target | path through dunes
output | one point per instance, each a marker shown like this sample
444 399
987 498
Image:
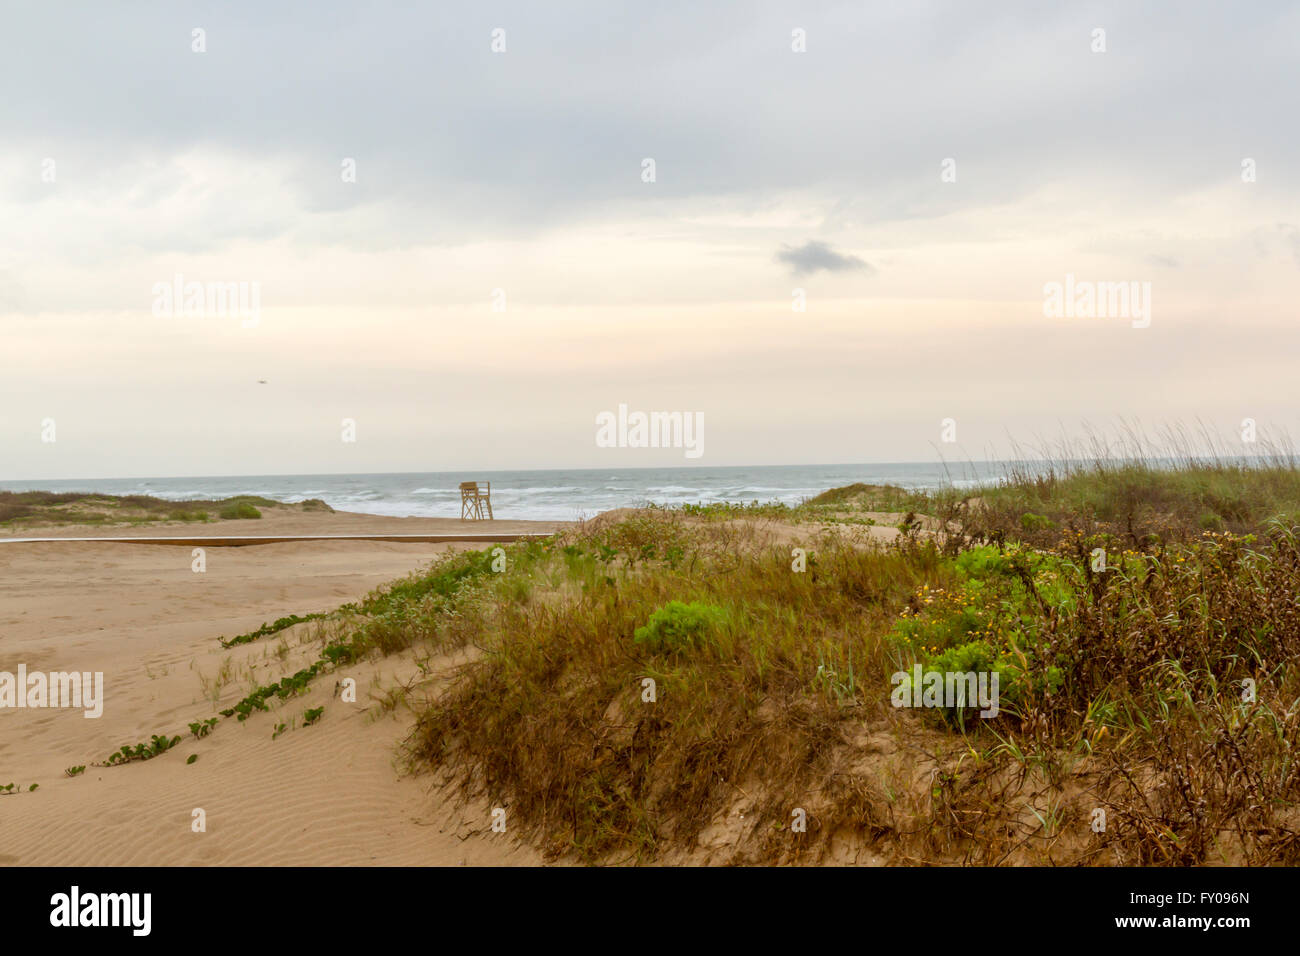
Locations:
328 793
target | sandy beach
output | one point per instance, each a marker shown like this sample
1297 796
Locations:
330 793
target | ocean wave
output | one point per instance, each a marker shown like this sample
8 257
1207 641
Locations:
542 490
754 490
523 494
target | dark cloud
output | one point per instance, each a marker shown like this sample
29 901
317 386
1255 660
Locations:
814 256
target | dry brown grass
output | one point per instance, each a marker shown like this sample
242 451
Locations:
785 705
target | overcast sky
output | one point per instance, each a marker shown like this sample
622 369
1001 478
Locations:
500 271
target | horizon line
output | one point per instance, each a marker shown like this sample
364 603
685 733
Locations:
693 467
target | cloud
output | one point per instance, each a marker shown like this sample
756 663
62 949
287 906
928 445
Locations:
552 133
1291 236
814 255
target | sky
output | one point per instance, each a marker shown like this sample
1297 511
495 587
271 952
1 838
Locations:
465 230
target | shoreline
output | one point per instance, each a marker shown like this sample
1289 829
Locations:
285 521
240 541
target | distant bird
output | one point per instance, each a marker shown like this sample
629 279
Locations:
261 381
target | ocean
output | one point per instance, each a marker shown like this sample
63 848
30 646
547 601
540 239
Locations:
561 495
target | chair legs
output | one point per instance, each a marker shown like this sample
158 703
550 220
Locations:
472 502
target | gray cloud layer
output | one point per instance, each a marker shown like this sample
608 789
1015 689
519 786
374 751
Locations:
467 144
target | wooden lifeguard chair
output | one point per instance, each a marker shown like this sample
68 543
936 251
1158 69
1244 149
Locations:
473 496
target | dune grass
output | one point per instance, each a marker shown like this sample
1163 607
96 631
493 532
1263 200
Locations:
752 666
1136 489
19 508
1157 693
1140 497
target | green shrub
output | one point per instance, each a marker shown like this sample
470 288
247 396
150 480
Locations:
678 626
992 619
1032 522
239 509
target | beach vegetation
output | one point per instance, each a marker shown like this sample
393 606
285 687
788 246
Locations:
35 508
158 745
239 510
201 728
1158 682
